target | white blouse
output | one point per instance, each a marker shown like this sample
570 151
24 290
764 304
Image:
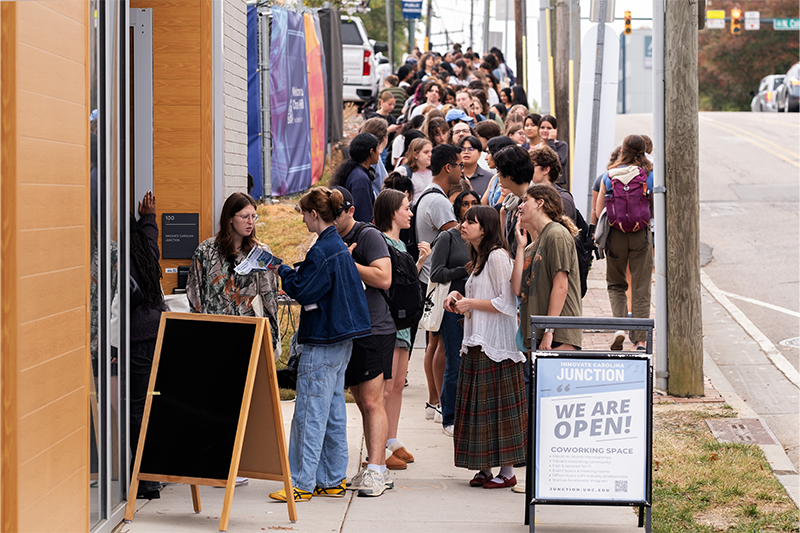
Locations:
495 333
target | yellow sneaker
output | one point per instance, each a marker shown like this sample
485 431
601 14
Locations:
337 491
299 495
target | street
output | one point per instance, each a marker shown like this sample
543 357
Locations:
749 191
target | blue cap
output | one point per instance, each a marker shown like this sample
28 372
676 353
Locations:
93 115
458 114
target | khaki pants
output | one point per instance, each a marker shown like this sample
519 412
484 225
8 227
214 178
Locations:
634 249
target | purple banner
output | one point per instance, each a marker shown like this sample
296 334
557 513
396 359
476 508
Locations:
291 133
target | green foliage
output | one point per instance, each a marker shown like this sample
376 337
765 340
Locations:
729 66
375 24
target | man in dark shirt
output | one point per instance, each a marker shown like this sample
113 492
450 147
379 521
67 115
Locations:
547 168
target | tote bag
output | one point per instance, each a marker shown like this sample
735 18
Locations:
434 305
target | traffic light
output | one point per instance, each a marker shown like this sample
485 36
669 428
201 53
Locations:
628 23
736 21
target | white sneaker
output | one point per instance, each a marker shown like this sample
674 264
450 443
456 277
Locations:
373 484
430 411
448 430
619 338
437 416
358 480
240 481
387 480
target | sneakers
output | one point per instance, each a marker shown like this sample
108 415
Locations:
388 482
448 430
299 495
437 417
430 411
373 483
337 491
619 338
357 481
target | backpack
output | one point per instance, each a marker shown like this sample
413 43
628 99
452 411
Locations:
409 236
584 245
404 296
628 208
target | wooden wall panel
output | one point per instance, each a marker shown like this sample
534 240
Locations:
44 257
182 120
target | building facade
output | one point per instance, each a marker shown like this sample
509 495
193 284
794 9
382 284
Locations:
100 101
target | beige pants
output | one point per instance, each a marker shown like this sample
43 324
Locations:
634 249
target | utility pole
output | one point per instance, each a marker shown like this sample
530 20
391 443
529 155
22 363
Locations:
521 48
411 36
428 26
562 78
681 157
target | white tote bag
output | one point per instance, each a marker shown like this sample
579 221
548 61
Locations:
433 311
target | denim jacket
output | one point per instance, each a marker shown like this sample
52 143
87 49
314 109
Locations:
328 277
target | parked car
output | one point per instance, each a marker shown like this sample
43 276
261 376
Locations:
764 99
361 75
787 96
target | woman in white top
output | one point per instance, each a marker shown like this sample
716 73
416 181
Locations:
417 165
490 417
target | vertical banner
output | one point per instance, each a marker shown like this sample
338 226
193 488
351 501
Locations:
279 99
318 29
254 166
316 98
592 429
291 153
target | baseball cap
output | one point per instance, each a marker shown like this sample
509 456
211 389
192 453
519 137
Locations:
348 198
458 114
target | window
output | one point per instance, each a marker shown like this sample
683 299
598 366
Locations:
350 33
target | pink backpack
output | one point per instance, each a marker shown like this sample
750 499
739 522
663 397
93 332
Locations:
628 208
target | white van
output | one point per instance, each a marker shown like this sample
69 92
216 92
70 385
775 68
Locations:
360 70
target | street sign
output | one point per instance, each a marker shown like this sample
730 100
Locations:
715 14
786 24
412 9
752 20
715 24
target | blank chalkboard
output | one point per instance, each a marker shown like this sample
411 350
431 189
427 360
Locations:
212 410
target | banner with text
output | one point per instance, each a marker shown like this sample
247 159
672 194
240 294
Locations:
591 432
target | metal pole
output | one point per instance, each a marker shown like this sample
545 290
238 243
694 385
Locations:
659 195
266 117
390 30
598 84
486 27
544 55
624 65
410 35
505 32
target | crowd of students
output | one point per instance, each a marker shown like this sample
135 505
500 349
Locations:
469 182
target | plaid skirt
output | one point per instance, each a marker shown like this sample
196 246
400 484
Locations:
491 421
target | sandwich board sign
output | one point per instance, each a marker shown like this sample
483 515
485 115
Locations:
213 409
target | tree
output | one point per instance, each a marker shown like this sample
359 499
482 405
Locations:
729 66
375 24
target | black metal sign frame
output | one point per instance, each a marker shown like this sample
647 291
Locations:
645 504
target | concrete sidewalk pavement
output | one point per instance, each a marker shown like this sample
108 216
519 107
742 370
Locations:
430 496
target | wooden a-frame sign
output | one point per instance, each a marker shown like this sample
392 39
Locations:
212 410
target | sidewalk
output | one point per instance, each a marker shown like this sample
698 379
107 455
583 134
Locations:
430 496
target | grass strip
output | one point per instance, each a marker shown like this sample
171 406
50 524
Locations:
702 485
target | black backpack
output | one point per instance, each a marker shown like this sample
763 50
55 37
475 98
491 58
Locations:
584 245
409 236
404 296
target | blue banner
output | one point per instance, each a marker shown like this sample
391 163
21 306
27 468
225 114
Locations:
254 163
291 134
412 9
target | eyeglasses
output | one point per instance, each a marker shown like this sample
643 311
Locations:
254 218
469 149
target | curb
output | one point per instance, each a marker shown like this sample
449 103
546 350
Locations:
782 467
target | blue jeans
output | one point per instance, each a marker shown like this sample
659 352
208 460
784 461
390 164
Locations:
318 438
452 335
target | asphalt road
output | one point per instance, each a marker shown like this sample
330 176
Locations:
750 250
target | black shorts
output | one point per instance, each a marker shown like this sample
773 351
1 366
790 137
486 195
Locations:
372 357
